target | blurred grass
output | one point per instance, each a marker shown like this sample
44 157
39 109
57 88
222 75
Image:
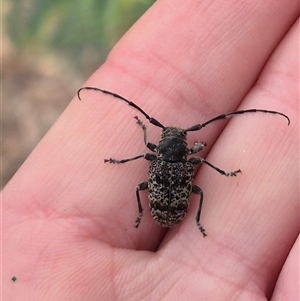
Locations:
74 29
48 49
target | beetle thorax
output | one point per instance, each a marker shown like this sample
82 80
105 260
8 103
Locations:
172 146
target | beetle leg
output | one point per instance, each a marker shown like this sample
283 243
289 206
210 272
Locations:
198 160
197 190
198 146
148 157
141 186
150 145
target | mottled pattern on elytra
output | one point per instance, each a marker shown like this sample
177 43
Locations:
170 186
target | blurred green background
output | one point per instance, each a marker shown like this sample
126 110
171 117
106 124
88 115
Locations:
49 48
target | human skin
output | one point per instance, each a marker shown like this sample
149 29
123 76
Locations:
68 218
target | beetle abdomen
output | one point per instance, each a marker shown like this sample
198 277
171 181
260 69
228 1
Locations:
170 186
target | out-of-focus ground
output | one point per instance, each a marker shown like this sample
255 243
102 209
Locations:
35 90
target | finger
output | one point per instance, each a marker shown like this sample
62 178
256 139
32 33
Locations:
287 286
163 101
252 220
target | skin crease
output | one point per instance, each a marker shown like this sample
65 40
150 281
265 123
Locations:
68 218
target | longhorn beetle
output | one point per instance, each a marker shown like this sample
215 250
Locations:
170 171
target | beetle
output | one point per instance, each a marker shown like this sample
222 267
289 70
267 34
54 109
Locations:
171 172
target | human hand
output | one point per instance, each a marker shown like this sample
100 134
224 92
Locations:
68 218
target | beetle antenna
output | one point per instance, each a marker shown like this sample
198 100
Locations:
198 127
132 104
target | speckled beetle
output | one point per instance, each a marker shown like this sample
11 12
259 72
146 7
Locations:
170 171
